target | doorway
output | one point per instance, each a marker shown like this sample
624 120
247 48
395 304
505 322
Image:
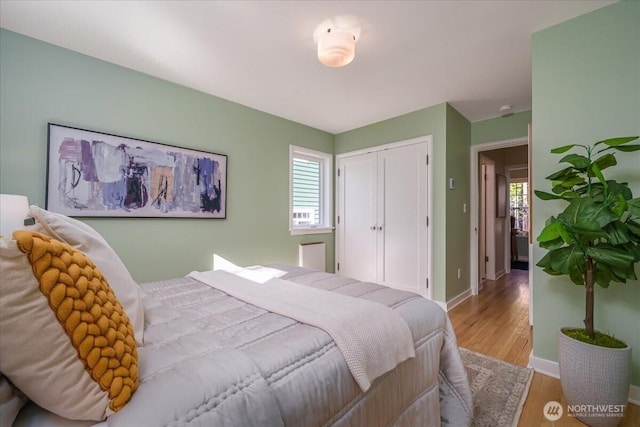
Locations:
491 233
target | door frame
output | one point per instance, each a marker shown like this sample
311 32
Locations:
507 238
487 218
474 279
426 270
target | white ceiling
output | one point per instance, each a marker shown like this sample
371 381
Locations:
476 55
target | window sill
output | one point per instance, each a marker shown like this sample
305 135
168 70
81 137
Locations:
314 230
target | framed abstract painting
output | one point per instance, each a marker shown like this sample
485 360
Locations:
94 174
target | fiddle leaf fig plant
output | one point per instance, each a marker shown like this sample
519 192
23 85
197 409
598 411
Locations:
596 238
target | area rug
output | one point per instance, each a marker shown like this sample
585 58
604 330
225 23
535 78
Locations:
499 389
519 265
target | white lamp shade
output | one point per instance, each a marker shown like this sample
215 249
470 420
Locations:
13 211
336 47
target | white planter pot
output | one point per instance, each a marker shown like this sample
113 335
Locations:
595 380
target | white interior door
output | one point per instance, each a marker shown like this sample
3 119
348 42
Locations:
357 217
402 218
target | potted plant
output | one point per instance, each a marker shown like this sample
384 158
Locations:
594 240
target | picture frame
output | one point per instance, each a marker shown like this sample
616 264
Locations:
96 174
501 196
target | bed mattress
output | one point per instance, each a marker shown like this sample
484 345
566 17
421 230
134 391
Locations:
210 359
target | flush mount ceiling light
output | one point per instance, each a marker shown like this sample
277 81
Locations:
336 39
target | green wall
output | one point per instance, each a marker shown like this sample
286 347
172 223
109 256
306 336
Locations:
449 242
458 221
586 87
500 128
41 83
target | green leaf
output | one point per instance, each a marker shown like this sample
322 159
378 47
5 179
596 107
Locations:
611 256
606 161
617 233
596 191
561 174
545 264
624 274
630 273
619 276
576 276
634 206
633 249
594 170
565 194
545 261
616 188
619 206
563 149
548 196
634 228
552 244
614 142
586 236
568 182
603 275
586 214
578 161
565 259
579 191
627 148
550 231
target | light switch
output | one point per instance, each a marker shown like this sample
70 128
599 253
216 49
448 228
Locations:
452 184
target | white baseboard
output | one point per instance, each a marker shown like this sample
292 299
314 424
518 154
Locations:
634 395
544 366
552 369
458 299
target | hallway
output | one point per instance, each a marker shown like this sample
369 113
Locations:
496 323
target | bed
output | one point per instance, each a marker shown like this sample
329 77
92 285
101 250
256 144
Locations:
211 359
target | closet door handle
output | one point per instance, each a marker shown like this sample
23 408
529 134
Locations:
379 228
372 228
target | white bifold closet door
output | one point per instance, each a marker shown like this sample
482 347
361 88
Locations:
382 209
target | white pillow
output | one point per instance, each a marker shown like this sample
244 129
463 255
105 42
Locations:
91 243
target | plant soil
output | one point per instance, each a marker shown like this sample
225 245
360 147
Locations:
600 339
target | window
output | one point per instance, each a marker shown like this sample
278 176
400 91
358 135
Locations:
311 186
519 203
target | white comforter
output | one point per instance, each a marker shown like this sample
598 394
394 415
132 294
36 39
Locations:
373 338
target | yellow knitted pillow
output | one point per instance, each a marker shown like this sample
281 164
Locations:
96 326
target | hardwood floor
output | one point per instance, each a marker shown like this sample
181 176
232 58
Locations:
496 323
